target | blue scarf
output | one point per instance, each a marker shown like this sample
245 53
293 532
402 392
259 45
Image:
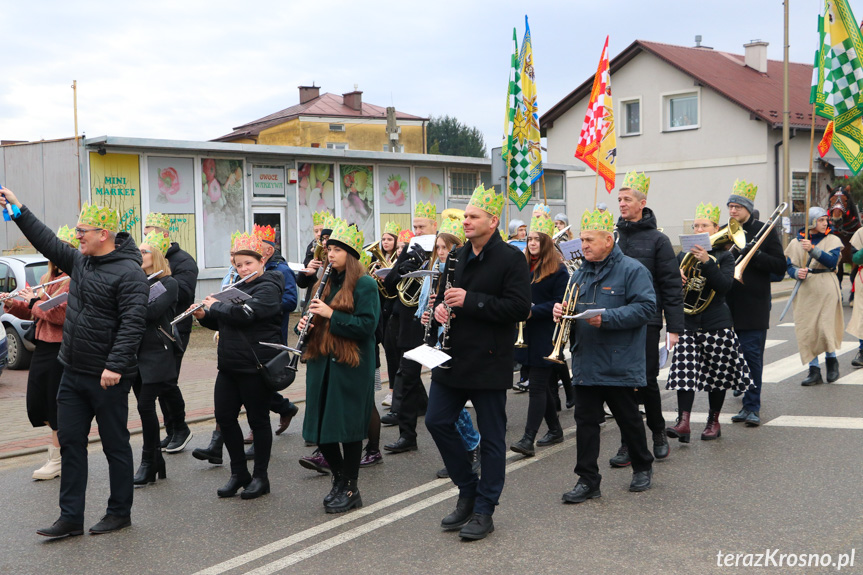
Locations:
425 292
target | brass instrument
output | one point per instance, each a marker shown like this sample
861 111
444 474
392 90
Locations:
519 342
35 288
319 252
561 330
379 261
759 238
409 288
694 298
192 310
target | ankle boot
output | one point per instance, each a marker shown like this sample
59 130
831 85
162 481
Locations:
259 486
681 429
347 498
525 444
660 445
712 429
51 469
553 436
213 452
338 484
832 369
149 468
814 377
237 481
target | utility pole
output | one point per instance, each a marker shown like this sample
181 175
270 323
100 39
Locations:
77 147
392 129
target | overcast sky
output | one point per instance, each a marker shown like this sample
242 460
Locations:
193 70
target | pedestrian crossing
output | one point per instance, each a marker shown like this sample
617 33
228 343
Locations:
786 367
810 421
663 373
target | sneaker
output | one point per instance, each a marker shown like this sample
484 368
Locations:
521 386
315 462
388 400
179 441
622 457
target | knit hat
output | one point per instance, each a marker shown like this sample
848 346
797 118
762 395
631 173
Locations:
743 194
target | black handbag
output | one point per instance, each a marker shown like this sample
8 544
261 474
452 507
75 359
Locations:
279 372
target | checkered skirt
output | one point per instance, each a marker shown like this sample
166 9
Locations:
708 361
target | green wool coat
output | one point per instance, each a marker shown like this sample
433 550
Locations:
339 411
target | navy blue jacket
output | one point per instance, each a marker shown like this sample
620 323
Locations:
289 295
827 259
539 328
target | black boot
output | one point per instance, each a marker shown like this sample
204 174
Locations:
553 436
152 464
347 498
660 445
814 377
259 486
460 517
832 369
213 452
234 484
338 484
525 444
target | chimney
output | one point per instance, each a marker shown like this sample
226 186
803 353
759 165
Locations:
354 100
756 55
309 93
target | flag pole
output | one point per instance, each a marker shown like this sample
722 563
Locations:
596 179
809 177
544 198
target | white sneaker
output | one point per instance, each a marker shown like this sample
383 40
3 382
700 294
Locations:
51 469
388 400
469 404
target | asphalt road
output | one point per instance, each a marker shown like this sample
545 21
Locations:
792 485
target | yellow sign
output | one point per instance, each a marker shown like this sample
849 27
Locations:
115 182
183 232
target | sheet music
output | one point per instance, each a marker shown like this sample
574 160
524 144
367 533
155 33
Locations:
382 272
426 242
571 249
231 295
427 356
156 290
586 314
53 302
689 241
422 274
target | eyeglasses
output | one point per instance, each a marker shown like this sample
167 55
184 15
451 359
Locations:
82 231
146 252
700 227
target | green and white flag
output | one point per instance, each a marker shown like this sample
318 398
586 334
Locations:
837 78
513 99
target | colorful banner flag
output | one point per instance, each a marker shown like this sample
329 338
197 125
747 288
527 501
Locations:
513 99
525 165
597 144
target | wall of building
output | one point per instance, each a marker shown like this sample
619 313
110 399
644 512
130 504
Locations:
359 135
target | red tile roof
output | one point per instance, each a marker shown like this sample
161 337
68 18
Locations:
725 73
326 105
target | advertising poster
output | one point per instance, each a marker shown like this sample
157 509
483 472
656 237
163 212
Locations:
316 192
171 185
268 181
358 198
394 196
430 187
115 181
224 208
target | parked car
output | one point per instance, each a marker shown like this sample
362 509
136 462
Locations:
15 273
3 351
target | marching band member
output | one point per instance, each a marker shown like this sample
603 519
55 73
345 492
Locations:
43 380
405 237
640 239
749 301
549 278
490 294
389 247
707 356
818 321
308 277
340 366
608 353
238 383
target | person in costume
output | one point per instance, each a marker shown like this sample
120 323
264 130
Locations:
323 223
855 324
818 322
490 294
549 278
242 326
43 379
340 366
561 220
707 356
608 353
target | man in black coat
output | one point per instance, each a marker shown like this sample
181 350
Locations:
640 239
184 270
105 322
491 294
750 301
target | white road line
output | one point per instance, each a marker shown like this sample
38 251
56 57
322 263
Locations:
790 366
853 378
817 421
363 513
786 324
695 417
663 373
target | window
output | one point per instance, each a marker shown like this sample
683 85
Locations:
337 127
337 145
631 118
553 187
462 183
681 111
798 192
33 273
399 148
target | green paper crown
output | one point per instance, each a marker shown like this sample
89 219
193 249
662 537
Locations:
100 217
330 221
453 225
157 241
541 223
427 210
68 235
487 200
234 236
597 221
745 190
318 218
156 220
365 259
348 235
707 212
635 181
392 228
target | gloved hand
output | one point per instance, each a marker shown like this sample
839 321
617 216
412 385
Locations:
414 260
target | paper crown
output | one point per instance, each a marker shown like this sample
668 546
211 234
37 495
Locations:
68 235
487 200
234 236
635 181
348 235
405 236
157 241
542 223
744 190
330 221
707 212
597 221
318 218
247 242
100 217
392 228
156 220
365 259
266 233
453 224
427 210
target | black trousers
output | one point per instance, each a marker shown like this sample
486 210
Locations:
231 393
391 351
445 406
80 399
171 401
348 464
649 396
541 401
588 413
412 397
147 394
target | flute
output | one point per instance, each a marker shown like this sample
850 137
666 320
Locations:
35 289
192 310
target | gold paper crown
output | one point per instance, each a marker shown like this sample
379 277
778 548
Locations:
365 259
330 221
487 200
157 241
247 242
635 181
427 210
392 228
745 190
156 220
68 235
348 235
707 212
405 236
266 233
597 221
100 217
453 224
542 223
318 218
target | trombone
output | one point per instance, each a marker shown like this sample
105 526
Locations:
381 261
15 293
743 261
192 310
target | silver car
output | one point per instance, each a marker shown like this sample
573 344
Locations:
17 272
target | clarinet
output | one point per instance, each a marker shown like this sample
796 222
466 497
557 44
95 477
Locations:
301 340
449 277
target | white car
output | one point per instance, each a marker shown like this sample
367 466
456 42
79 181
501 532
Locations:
17 272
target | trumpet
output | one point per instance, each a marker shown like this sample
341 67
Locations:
15 293
743 261
192 310
694 299
319 251
519 342
381 261
561 330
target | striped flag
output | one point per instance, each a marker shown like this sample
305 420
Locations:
597 144
525 158
513 99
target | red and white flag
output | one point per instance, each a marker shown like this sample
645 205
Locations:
597 144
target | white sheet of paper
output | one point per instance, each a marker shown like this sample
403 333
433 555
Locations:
586 314
427 356
689 241
382 272
156 290
232 295
571 249
665 352
295 267
53 302
426 242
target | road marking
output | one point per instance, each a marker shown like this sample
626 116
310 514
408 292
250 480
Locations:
791 324
853 378
362 513
696 417
817 421
789 366
663 373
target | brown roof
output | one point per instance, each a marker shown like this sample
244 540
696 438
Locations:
327 104
725 73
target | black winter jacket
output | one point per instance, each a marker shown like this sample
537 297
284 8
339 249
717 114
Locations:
304 281
719 276
244 325
642 241
156 362
184 270
411 331
539 328
106 313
